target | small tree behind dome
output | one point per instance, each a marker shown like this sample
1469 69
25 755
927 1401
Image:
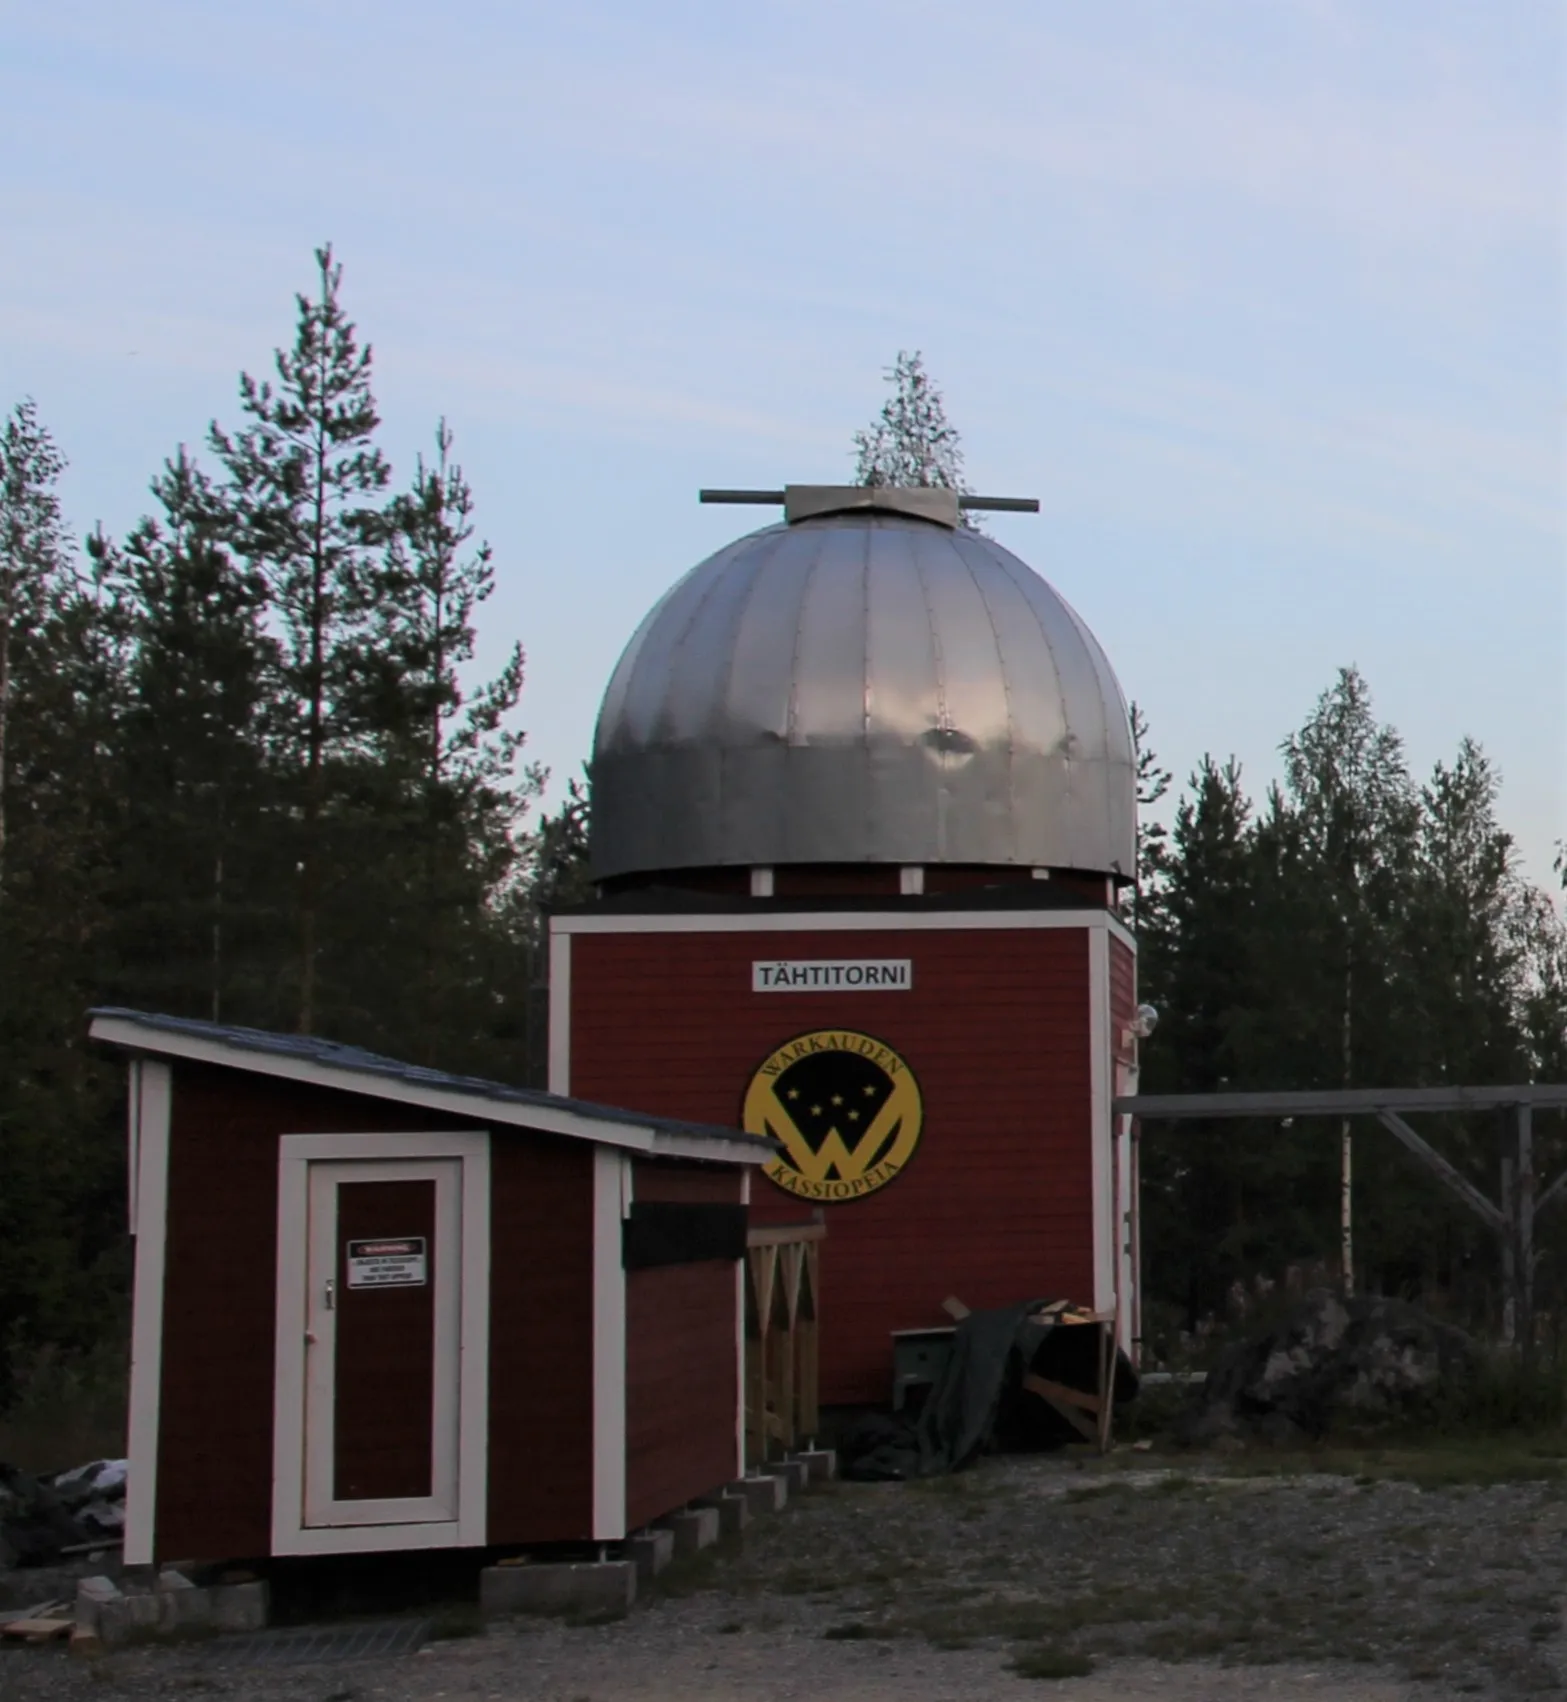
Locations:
911 442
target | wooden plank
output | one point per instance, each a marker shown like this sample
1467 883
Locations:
44 1610
1056 1393
1039 1386
786 1234
38 1630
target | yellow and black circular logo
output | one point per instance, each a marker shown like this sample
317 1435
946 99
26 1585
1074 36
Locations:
847 1109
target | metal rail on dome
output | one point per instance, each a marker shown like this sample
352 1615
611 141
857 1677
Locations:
775 499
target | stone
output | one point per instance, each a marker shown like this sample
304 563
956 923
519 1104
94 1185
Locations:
593 1589
239 1607
129 1615
821 1464
652 1551
734 1511
91 1594
763 1494
1360 1364
693 1529
183 1608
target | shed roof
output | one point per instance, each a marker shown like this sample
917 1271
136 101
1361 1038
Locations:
350 1069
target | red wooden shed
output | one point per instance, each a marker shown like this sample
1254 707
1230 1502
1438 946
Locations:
379 1307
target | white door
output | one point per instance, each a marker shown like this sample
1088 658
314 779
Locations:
383 1333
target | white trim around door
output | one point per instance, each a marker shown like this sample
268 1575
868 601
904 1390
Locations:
382 1156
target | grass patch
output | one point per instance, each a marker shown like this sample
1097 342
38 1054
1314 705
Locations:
1047 1662
1446 1463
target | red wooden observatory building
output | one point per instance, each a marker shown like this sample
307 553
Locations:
863 803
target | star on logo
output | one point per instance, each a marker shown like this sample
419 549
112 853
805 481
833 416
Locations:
837 1099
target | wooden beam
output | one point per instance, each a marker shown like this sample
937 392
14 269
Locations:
1440 1168
1049 1392
1337 1102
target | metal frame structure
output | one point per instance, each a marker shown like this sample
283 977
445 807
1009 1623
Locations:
1512 1221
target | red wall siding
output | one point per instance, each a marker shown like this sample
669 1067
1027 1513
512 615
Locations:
1123 997
996 1204
682 1360
215 1415
541 1340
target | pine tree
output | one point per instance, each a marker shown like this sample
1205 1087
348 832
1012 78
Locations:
300 507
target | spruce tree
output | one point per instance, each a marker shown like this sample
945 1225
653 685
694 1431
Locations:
203 883
911 442
35 563
450 780
301 506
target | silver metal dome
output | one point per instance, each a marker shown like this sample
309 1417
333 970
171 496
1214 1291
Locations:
862 687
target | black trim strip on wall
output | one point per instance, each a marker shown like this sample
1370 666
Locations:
659 1232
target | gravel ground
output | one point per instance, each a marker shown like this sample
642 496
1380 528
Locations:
1130 1584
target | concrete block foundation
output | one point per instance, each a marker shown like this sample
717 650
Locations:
763 1494
693 1530
651 1552
593 1589
734 1512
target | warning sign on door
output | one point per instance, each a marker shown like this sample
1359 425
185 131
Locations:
395 1263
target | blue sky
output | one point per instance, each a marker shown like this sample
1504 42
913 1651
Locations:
1263 302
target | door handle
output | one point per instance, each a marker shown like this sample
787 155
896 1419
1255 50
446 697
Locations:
331 1294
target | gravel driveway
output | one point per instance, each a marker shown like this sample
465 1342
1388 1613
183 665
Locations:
1025 1577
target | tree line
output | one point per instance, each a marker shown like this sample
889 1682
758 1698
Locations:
247 774
1356 927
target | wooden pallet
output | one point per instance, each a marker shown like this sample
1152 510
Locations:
46 1623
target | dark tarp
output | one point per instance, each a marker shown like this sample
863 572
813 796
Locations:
979 1385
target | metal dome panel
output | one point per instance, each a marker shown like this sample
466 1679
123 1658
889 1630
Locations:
862 687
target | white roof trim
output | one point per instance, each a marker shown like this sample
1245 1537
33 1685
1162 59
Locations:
628 1133
838 922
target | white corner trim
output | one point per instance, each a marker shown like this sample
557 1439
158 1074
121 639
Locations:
152 1089
473 1376
740 1384
132 1143
1101 1133
559 1076
296 1153
837 922
609 1348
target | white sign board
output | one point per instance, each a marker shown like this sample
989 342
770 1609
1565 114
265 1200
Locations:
397 1262
833 975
